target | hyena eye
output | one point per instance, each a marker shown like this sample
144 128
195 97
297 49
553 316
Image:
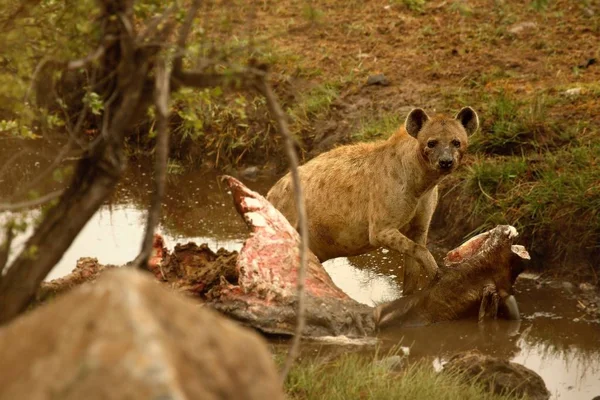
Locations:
456 143
431 144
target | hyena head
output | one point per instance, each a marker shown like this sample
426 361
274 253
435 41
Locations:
442 140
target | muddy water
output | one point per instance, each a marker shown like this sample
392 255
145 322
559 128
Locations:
552 339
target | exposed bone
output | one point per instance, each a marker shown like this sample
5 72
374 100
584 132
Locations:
520 251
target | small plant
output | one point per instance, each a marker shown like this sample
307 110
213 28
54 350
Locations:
352 376
540 5
377 128
175 167
512 126
462 8
312 14
413 5
553 196
94 102
313 103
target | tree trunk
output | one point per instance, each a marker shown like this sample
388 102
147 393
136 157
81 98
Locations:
123 73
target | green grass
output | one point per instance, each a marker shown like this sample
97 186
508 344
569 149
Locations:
353 376
535 167
380 127
511 125
311 105
553 196
315 101
413 5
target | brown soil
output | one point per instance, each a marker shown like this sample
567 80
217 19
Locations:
435 58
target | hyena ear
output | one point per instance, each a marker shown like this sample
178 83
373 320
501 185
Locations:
415 121
468 119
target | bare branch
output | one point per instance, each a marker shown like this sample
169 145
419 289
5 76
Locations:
281 121
5 249
69 65
96 174
160 169
184 32
31 203
201 80
96 55
158 23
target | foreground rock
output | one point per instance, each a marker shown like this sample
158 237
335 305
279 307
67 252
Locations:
125 337
499 376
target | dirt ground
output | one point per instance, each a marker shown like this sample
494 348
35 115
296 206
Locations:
439 57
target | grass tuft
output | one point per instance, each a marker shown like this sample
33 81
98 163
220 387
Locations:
352 376
380 127
553 197
413 5
513 126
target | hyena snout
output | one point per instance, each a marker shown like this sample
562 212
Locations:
446 163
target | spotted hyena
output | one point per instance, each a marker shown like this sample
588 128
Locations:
368 195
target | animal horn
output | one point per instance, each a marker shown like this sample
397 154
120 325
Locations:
512 307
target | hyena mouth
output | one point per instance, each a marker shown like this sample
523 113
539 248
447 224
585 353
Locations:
445 170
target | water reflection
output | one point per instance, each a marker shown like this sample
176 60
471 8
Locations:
364 285
565 353
114 236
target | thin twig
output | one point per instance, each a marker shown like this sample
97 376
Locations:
484 193
69 65
31 203
184 32
157 23
161 154
280 119
95 55
5 249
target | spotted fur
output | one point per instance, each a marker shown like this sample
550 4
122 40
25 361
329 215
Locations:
368 195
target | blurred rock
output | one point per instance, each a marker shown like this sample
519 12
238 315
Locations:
568 286
587 63
586 287
378 79
250 172
127 337
499 376
522 27
573 92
